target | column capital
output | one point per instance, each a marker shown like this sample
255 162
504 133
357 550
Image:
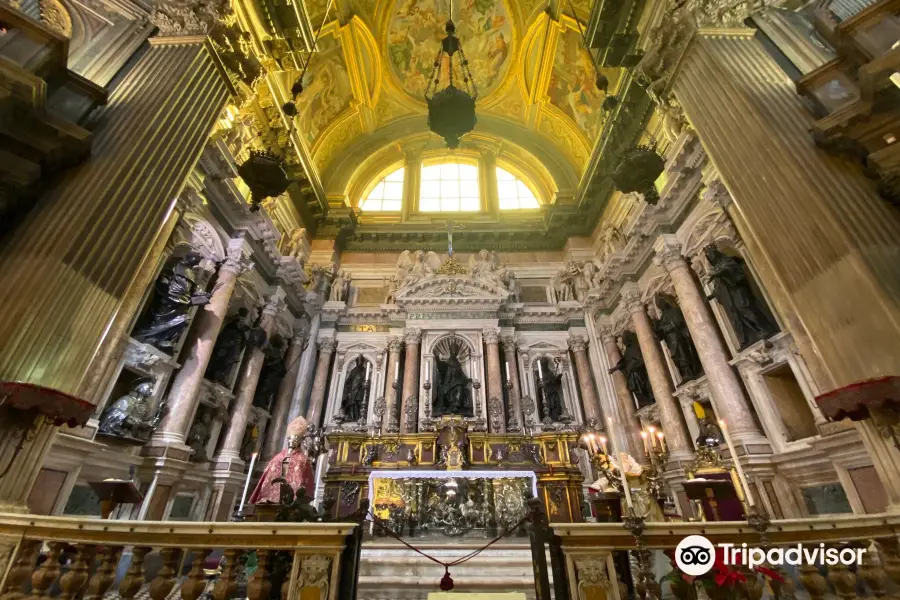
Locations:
715 191
491 336
395 344
668 252
631 298
412 336
577 343
326 345
237 255
606 332
509 343
276 303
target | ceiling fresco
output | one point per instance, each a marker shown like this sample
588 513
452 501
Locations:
327 90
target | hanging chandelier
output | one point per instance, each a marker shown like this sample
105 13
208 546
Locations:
451 111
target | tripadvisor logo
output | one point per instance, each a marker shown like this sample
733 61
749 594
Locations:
695 555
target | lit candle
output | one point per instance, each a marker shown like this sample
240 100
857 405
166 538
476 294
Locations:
644 439
427 371
247 483
396 371
540 371
737 464
368 371
603 444
652 431
507 370
662 442
625 480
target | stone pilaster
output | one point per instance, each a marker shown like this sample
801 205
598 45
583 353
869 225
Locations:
630 421
390 422
183 396
671 418
320 383
592 412
496 408
515 417
279 420
246 386
727 394
409 401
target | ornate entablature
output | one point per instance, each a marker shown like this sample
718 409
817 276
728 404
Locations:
443 293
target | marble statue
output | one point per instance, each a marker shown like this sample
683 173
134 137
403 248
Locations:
199 435
316 282
129 417
591 275
612 241
297 244
513 287
175 293
673 330
413 267
578 282
747 313
632 366
355 389
551 388
228 348
562 287
291 465
485 266
273 371
391 285
340 287
453 395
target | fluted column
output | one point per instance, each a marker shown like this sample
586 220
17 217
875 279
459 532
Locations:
515 416
320 383
670 416
275 431
249 378
630 421
390 421
496 409
183 396
592 413
727 394
409 401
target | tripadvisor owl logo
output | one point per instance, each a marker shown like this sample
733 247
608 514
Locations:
695 555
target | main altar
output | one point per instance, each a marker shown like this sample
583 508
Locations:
454 403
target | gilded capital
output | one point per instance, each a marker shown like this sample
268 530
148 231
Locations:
187 18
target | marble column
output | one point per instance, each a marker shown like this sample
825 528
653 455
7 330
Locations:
390 421
409 401
592 413
278 422
320 383
183 396
627 409
727 394
515 417
670 415
496 409
246 386
300 401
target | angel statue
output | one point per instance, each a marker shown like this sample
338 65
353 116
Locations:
391 285
562 287
340 287
513 287
297 244
413 267
485 267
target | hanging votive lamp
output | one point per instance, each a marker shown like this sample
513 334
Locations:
451 111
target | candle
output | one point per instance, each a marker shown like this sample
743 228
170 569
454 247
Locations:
644 439
247 483
662 443
603 444
507 370
625 480
368 371
652 431
540 371
396 371
427 371
737 464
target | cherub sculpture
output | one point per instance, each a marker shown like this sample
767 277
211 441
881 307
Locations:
485 266
413 267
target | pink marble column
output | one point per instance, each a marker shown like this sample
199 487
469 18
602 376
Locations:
670 415
515 417
279 420
592 413
409 401
728 396
183 396
496 409
630 421
390 422
246 387
320 383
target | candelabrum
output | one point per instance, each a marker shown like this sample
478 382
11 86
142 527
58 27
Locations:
657 455
394 421
364 408
512 419
426 421
646 585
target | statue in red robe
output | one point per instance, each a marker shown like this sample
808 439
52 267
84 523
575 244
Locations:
291 464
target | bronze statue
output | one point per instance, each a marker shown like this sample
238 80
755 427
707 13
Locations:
228 348
710 435
129 416
632 366
673 330
273 371
355 390
550 385
199 435
175 293
748 314
453 395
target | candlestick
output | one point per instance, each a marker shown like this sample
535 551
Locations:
603 444
507 370
662 442
396 371
427 371
540 371
644 439
368 370
737 464
625 487
247 483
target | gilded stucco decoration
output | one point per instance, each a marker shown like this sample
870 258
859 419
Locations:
183 17
327 90
55 16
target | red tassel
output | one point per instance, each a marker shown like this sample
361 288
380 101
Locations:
446 581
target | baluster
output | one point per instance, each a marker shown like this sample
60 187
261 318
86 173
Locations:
843 580
782 590
226 585
73 581
753 587
21 570
47 573
105 574
195 583
133 580
813 582
872 571
259 587
889 552
164 581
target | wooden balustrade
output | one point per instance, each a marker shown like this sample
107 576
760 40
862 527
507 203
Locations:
590 568
42 557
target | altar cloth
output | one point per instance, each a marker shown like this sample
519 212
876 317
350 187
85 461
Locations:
429 474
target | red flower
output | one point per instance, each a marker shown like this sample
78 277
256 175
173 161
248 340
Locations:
725 576
774 575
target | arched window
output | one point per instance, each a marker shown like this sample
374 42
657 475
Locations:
449 187
387 195
513 193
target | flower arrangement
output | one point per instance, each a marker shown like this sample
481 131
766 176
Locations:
722 581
